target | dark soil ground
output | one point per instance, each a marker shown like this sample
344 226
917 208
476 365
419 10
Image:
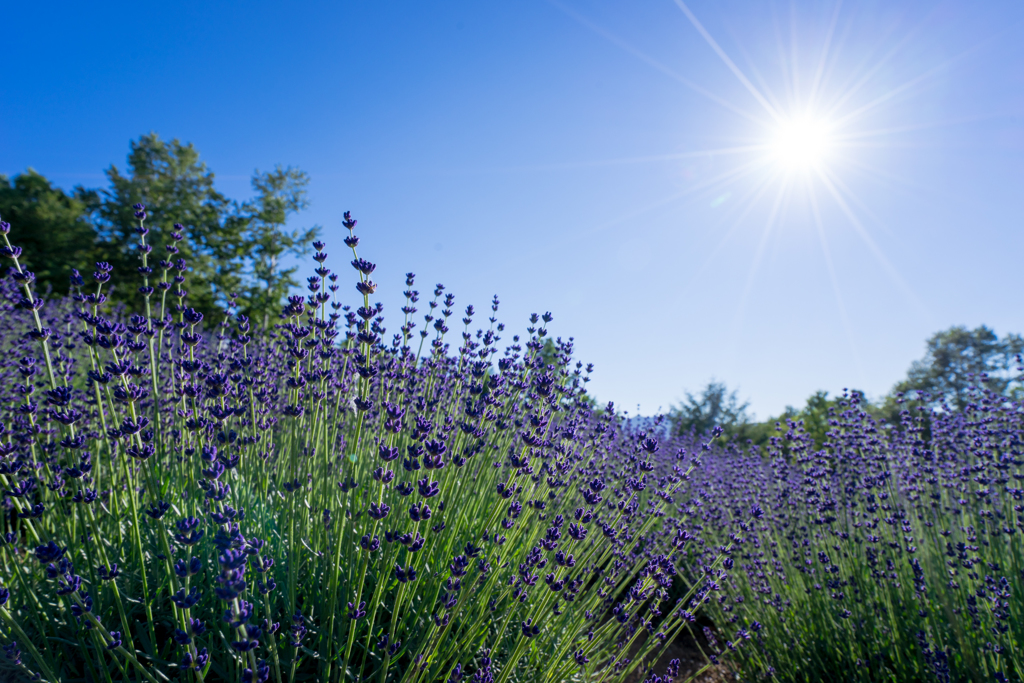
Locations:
687 650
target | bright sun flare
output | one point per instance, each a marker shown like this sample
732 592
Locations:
801 143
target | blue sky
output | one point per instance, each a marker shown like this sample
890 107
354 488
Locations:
599 160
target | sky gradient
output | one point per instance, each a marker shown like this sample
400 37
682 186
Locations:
609 162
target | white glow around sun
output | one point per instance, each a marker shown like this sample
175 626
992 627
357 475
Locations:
801 143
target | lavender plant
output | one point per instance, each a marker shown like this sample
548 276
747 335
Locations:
315 501
892 553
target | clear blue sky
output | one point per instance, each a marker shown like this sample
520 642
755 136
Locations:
559 155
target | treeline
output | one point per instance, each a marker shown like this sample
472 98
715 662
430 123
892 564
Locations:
955 361
232 248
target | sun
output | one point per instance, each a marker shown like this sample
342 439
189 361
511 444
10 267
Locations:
801 142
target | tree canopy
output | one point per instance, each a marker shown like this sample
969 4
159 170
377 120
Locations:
955 360
715 406
52 228
958 358
279 194
230 246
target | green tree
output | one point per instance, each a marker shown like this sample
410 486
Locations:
280 194
956 359
811 420
49 225
715 406
229 246
177 188
816 415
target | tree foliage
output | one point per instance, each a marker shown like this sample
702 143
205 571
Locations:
716 406
958 358
230 247
280 194
177 189
52 226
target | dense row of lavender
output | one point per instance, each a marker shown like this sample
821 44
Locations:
318 500
894 553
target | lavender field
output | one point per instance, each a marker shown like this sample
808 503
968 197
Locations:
322 500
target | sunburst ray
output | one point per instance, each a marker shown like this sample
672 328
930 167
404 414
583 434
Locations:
728 62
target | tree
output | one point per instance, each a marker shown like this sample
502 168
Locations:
815 415
49 225
716 406
228 246
177 188
279 194
957 358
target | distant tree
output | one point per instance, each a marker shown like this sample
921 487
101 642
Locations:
715 406
549 353
957 358
177 188
814 416
279 194
811 420
819 409
228 246
49 225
